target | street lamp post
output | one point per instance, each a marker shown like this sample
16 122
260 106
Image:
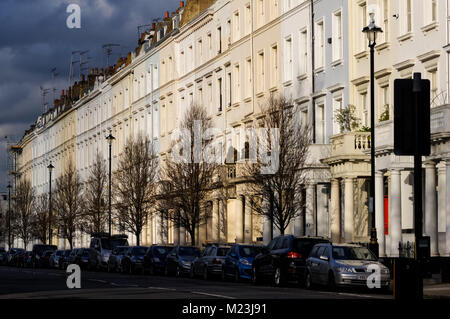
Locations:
110 138
50 168
371 31
9 215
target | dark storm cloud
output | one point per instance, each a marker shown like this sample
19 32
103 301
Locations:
34 39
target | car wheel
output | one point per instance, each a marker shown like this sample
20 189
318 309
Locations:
205 273
308 280
331 282
255 277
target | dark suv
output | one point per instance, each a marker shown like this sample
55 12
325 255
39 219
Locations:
38 253
284 259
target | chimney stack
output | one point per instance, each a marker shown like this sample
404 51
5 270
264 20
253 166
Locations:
181 4
96 71
167 14
153 26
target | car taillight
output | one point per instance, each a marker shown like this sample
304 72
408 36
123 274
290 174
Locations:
293 254
217 261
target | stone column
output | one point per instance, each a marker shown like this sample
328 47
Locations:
395 217
379 213
348 210
214 221
335 210
239 222
431 227
442 205
222 223
447 196
309 229
248 225
266 223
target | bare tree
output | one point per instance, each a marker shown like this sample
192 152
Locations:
96 196
68 203
188 173
23 207
285 141
134 184
40 218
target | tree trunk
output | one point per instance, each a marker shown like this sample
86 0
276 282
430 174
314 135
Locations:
138 239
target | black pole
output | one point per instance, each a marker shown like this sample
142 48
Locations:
50 209
9 217
109 191
373 232
418 214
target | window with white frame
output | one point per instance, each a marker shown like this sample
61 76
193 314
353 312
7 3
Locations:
209 96
385 102
209 44
386 20
365 109
261 71
229 89
261 17
220 93
248 19
303 50
248 77
304 115
237 29
430 11
337 106
237 84
228 39
362 43
320 45
219 40
337 36
273 9
199 53
288 58
320 123
434 87
406 16
274 66
155 77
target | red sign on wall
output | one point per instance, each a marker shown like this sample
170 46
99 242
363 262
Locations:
386 215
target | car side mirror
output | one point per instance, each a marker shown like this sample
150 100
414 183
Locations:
324 258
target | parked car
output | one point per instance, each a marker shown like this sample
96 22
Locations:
54 258
284 259
155 259
2 256
337 265
179 260
44 261
101 246
11 253
133 259
114 261
82 258
28 259
24 260
38 252
64 259
210 261
238 261
17 259
73 257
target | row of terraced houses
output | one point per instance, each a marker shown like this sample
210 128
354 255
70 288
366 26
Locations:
230 56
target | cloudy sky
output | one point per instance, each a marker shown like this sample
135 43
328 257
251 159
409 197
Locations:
34 39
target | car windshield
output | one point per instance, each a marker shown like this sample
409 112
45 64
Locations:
160 251
118 242
138 251
188 251
353 253
222 251
249 251
42 248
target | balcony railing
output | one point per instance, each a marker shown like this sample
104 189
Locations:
350 144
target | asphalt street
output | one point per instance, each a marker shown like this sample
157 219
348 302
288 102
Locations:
51 283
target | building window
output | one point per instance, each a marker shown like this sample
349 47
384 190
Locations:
219 84
261 4
384 110
337 106
408 16
304 115
209 43
261 72
320 124
288 59
303 46
386 20
237 84
248 19
274 63
433 10
365 110
337 36
248 77
219 40
362 23
432 76
320 45
237 31
229 89
274 9
228 39
210 97
199 52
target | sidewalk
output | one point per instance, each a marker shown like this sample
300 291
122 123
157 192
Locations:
434 289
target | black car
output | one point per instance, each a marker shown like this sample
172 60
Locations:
11 253
64 259
73 257
210 262
2 256
38 252
179 260
44 261
155 259
284 259
17 259
133 259
115 259
82 258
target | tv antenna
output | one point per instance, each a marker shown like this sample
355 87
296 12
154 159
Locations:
108 49
44 92
72 62
54 75
81 61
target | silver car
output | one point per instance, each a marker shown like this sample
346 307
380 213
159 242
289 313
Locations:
343 265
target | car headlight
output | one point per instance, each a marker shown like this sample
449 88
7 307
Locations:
346 269
245 262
